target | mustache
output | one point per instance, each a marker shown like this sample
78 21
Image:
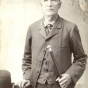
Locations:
49 9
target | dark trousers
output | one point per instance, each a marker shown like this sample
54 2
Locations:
46 85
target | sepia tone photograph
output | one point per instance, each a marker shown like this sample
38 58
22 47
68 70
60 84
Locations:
43 43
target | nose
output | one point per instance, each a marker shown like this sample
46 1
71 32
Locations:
49 3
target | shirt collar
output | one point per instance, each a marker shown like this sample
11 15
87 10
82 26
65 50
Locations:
46 23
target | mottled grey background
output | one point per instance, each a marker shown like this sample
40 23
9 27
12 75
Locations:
17 15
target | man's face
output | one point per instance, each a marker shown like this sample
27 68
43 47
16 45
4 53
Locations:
50 7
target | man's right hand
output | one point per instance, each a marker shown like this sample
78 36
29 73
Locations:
24 83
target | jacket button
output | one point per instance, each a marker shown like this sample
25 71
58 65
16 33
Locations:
37 71
44 50
44 58
44 79
46 70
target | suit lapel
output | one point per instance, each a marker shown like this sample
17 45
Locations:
42 29
54 31
56 28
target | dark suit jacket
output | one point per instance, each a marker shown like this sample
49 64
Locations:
64 40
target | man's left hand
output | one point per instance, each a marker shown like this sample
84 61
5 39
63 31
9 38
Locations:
64 81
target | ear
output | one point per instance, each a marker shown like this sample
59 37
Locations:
60 4
40 4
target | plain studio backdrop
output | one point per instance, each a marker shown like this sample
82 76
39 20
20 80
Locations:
16 16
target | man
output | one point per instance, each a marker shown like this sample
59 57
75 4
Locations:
38 68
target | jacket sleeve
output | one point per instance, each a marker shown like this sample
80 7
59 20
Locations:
79 63
26 61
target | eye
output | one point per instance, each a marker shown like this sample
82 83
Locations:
53 0
45 0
